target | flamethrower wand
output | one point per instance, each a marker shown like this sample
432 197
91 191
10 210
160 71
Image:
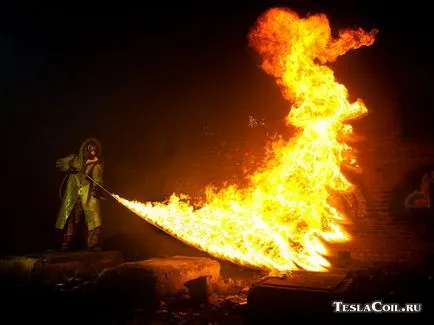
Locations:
109 193
101 187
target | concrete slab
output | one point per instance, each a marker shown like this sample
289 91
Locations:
154 279
53 267
305 296
301 293
308 281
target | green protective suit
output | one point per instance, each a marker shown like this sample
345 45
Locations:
78 187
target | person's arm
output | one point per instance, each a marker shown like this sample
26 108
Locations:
97 176
66 163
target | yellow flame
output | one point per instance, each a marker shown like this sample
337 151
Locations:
281 220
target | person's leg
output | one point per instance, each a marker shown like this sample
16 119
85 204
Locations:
71 226
68 234
93 238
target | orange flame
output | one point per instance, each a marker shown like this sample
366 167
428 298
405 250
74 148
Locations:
279 222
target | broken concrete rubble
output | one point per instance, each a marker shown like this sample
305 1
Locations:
199 289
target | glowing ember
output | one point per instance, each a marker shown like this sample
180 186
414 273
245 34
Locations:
281 220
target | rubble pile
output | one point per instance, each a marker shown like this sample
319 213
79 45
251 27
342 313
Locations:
172 290
225 304
184 290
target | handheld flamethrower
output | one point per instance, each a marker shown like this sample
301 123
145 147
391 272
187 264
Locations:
111 195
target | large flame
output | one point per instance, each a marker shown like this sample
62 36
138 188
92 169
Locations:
283 218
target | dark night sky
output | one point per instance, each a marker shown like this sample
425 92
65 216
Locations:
141 79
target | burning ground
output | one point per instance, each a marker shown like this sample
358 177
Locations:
281 220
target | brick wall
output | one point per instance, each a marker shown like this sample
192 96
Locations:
391 165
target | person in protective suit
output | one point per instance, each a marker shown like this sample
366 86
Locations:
81 195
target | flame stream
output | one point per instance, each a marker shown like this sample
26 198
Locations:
281 221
